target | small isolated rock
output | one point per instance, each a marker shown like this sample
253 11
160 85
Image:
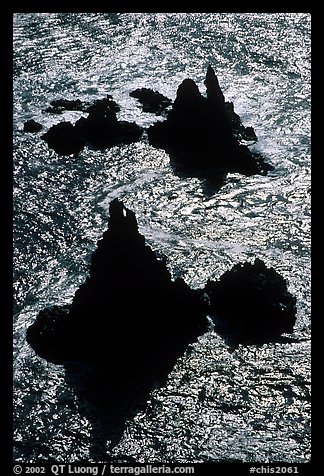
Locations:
32 126
251 303
47 330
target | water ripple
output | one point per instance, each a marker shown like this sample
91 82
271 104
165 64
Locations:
220 404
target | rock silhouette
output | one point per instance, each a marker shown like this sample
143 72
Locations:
100 129
129 323
251 303
58 106
151 101
64 138
129 315
130 312
202 133
32 126
122 334
239 130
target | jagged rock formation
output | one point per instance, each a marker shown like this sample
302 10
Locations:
151 101
129 315
202 132
32 126
239 130
99 129
131 319
129 322
251 303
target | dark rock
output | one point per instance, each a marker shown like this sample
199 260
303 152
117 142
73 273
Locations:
200 132
32 126
64 138
103 105
241 132
130 318
215 95
251 303
152 101
60 105
129 315
102 130
129 132
49 330
99 129
99 105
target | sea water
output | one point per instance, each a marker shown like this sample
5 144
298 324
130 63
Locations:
248 403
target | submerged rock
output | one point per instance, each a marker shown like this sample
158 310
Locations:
32 126
251 303
152 101
201 133
129 315
64 138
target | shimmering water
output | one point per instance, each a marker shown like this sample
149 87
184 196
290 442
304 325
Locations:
250 403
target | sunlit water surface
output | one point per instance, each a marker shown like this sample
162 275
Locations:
251 403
